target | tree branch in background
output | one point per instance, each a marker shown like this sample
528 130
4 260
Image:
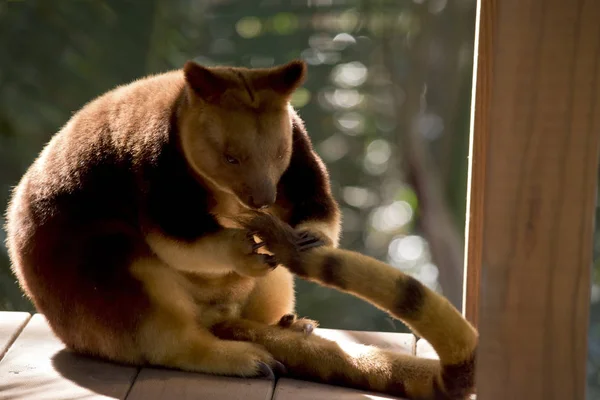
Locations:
434 219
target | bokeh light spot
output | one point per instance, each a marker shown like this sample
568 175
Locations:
300 97
351 123
407 248
378 151
248 27
333 148
285 23
359 197
350 74
392 217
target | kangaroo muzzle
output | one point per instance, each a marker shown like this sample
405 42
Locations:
262 195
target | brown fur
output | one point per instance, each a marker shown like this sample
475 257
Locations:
428 314
122 231
129 233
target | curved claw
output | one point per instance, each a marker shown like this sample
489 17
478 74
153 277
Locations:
250 235
308 241
303 234
270 260
270 373
308 329
279 369
287 320
265 372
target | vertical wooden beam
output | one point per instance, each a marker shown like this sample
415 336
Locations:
540 107
482 73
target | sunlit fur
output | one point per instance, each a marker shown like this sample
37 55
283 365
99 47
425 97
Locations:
128 232
428 314
122 231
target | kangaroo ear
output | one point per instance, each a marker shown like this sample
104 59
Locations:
288 77
204 82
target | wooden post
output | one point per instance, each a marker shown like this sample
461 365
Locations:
538 127
477 155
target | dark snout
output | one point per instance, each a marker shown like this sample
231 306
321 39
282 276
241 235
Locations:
262 195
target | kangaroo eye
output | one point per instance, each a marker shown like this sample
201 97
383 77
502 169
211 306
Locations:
231 160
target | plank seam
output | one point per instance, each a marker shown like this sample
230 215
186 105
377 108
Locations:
14 337
137 373
273 388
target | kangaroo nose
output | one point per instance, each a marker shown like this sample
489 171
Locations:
263 198
262 202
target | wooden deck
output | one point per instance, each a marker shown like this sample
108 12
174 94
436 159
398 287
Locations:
35 365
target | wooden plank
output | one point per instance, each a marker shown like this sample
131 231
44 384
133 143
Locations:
292 389
542 115
37 366
477 167
401 342
11 324
154 383
426 350
158 384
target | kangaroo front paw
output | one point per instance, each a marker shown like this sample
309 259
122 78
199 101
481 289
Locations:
254 258
281 239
